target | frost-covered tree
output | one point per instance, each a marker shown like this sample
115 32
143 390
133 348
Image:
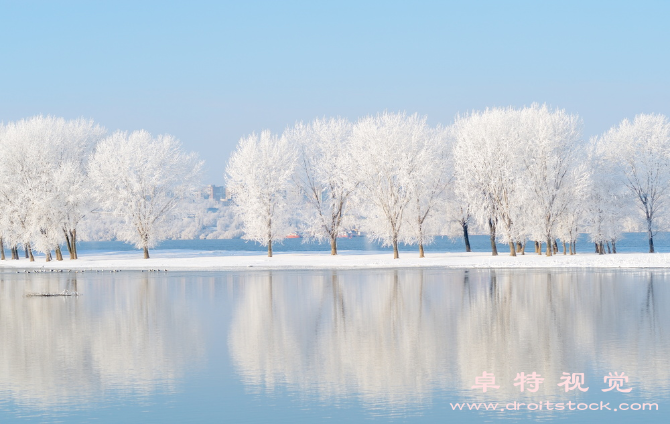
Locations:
44 181
602 220
428 186
70 160
641 149
3 208
571 220
325 175
464 217
457 219
143 180
259 176
389 149
606 202
24 185
488 171
551 151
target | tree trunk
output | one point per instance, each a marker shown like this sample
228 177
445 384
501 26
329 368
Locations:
601 248
270 249
651 237
25 250
564 249
2 250
30 252
59 254
48 257
395 247
492 229
570 246
466 238
518 247
538 248
146 253
613 246
333 244
421 250
609 249
574 247
68 243
555 246
597 249
73 240
15 253
549 246
523 248
512 248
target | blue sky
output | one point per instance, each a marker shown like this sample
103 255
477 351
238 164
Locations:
211 72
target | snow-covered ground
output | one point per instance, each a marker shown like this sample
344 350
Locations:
222 260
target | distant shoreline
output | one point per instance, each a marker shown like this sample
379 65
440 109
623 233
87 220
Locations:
193 260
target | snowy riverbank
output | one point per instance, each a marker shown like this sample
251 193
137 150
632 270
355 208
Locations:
221 260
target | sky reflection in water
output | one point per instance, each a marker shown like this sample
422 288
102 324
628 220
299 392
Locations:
308 346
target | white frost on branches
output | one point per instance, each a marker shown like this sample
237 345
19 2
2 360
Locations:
143 179
552 154
522 174
44 186
390 150
488 171
325 176
259 176
428 187
641 151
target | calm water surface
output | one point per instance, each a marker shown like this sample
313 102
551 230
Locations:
629 242
329 346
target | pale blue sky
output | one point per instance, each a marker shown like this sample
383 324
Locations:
211 72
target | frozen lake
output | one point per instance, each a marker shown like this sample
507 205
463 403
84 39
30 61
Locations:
332 346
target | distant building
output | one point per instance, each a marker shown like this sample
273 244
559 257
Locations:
218 193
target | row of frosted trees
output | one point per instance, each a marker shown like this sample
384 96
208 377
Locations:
524 175
55 172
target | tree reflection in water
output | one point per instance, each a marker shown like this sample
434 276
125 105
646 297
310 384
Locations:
126 334
393 338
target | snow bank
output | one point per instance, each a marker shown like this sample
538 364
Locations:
191 260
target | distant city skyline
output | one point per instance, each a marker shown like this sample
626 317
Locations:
210 73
